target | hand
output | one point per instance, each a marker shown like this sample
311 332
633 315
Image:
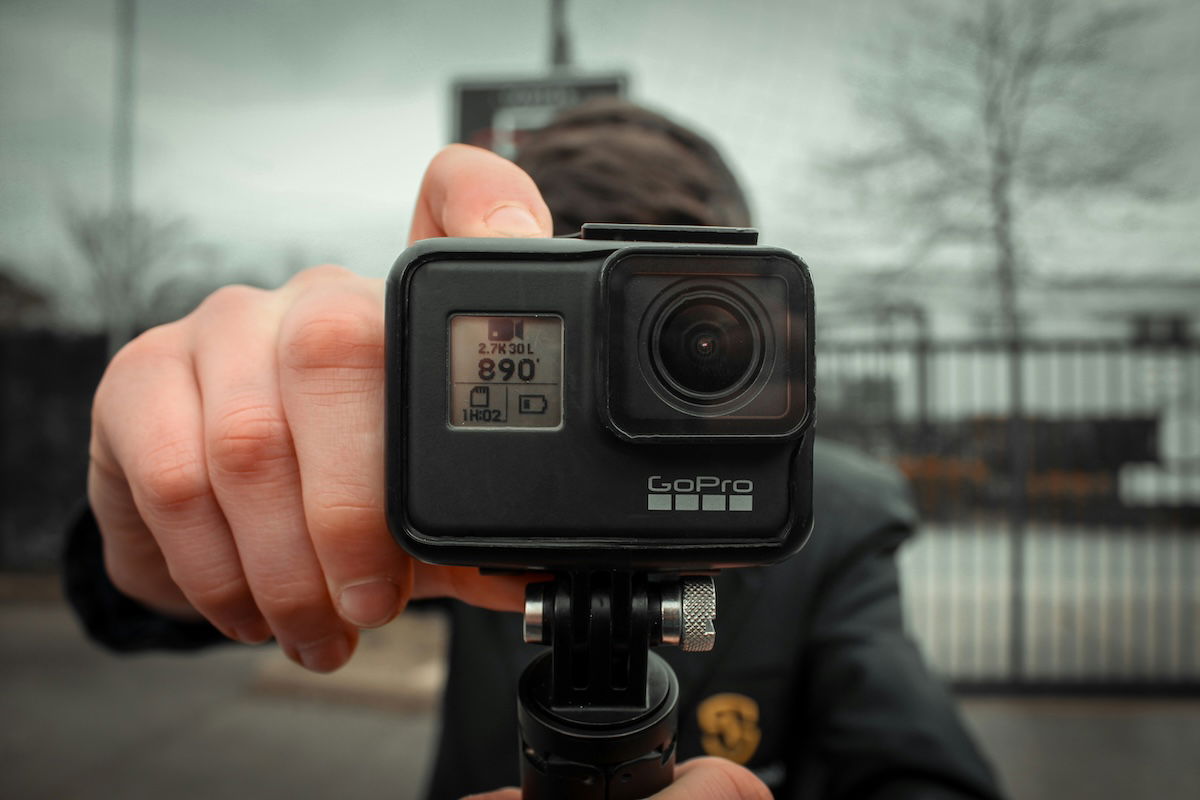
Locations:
697 779
237 454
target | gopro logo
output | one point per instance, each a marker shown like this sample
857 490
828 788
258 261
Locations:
701 493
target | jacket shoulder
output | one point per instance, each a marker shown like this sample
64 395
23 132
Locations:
857 499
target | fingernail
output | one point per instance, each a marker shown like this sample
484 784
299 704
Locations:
369 604
512 221
324 655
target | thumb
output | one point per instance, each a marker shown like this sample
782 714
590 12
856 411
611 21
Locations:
500 794
470 192
698 779
714 779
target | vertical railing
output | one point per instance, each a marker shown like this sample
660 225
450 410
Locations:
1061 546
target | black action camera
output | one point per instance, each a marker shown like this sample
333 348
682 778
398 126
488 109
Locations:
637 398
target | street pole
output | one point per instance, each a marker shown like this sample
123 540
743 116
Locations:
123 110
560 43
117 296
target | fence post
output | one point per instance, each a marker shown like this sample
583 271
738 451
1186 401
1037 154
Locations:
1017 507
924 389
7 457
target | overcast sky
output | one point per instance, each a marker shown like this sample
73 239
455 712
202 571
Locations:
298 129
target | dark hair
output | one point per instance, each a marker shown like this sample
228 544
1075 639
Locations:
609 160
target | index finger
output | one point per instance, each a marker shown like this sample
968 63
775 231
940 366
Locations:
471 192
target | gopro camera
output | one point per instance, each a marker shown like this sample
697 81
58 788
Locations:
636 398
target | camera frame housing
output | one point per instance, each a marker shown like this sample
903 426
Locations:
590 492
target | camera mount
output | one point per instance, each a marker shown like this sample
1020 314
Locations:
598 713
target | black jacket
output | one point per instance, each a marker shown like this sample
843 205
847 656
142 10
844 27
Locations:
813 683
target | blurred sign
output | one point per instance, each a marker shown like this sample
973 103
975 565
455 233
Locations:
495 113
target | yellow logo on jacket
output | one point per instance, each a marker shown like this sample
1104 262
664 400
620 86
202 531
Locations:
730 726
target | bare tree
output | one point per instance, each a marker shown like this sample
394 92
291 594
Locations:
985 106
125 253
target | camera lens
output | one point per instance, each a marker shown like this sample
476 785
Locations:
706 346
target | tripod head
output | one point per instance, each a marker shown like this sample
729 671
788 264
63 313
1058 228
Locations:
598 713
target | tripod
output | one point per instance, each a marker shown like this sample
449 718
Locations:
598 713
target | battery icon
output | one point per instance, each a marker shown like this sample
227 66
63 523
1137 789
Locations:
532 403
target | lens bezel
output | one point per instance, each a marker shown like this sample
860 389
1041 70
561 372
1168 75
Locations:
636 407
668 387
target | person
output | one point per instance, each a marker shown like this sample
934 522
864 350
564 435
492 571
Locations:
236 491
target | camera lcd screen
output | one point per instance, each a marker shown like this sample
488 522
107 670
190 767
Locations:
505 371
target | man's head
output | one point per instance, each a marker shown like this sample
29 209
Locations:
609 160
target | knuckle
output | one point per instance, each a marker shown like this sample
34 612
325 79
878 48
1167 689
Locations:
98 438
228 299
217 597
126 577
350 336
294 604
345 516
248 439
172 477
145 350
157 351
159 340
139 572
320 274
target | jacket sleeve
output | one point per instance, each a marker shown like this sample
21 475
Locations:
883 726
109 617
878 723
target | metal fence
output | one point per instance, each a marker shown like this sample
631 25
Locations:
1061 544
1060 487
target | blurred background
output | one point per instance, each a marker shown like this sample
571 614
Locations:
997 200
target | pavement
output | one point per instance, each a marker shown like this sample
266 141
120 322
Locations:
79 722
244 722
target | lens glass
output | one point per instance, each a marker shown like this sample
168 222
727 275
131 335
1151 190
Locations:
706 347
